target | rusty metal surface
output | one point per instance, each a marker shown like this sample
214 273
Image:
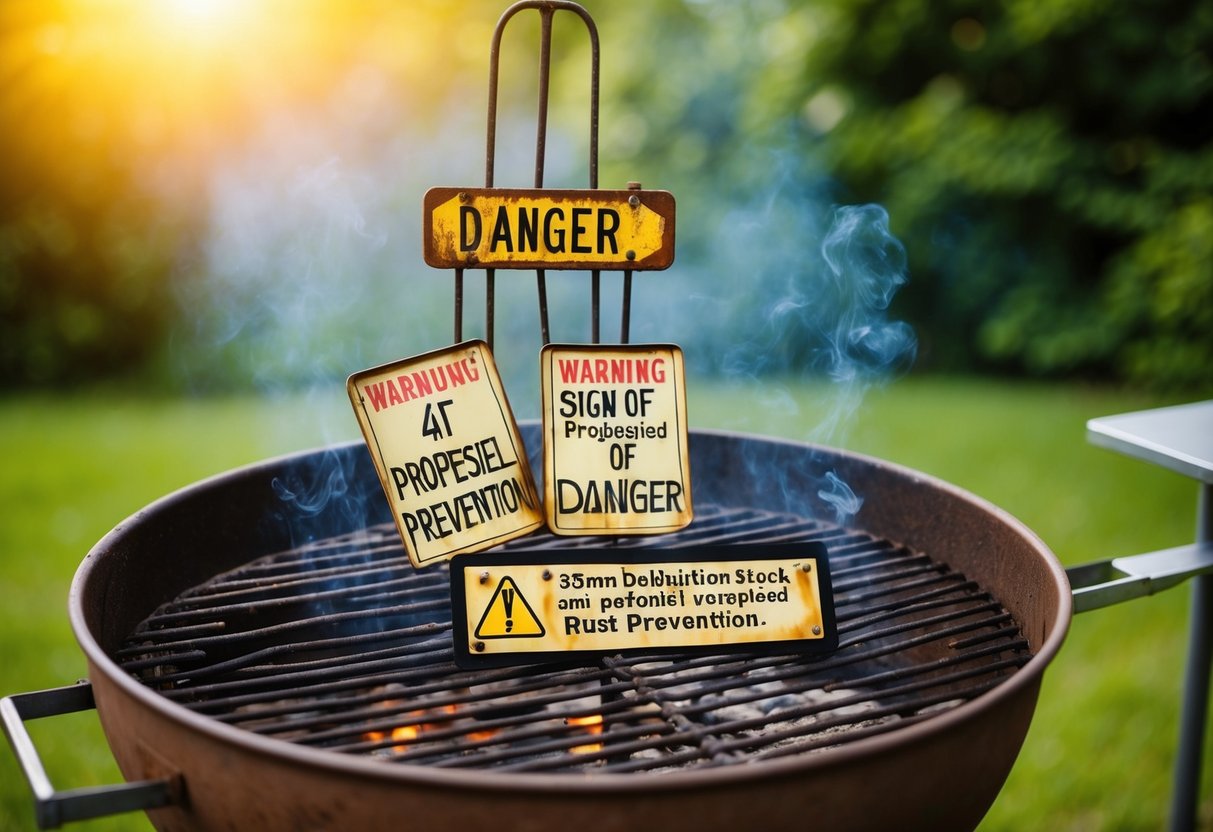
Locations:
941 773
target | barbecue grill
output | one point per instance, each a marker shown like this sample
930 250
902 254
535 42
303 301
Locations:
236 639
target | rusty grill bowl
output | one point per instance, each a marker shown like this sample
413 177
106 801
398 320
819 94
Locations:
939 773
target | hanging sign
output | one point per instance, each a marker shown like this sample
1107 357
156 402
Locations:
615 456
548 229
524 607
448 452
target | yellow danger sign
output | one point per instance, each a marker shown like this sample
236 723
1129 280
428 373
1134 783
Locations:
447 450
615 454
508 615
528 607
548 229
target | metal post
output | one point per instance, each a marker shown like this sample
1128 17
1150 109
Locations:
541 143
547 10
1186 798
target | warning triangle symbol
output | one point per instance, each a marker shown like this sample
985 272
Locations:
508 615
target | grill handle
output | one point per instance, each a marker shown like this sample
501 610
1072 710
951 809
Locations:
53 808
1106 582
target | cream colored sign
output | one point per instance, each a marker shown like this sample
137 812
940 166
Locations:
615 455
517 608
447 450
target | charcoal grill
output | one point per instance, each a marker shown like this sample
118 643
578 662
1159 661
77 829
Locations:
340 644
237 639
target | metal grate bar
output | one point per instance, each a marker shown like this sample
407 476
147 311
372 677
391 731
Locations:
341 645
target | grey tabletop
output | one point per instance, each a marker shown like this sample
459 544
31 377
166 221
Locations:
1179 438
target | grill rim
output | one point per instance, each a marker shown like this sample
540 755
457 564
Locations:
1023 685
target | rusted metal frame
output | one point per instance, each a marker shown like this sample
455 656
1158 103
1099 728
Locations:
365 704
852 657
706 534
233 694
160 636
965 588
910 697
363 550
257 590
294 672
885 573
378 715
511 729
1018 646
702 739
52 807
784 669
858 551
649 735
894 717
818 734
692 536
894 567
425 637
885 589
547 10
868 635
354 564
812 674
916 701
626 741
912 606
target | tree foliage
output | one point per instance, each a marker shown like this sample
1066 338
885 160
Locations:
1047 164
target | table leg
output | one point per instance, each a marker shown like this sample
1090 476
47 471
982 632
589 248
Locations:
1185 800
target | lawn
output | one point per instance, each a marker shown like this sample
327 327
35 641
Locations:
1098 755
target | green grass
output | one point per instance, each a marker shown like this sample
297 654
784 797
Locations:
1099 752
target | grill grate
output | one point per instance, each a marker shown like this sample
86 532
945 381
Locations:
341 645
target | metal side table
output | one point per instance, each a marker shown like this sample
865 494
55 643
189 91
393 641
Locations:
1179 438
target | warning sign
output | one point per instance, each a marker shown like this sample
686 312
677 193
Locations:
448 452
508 615
615 455
548 229
541 606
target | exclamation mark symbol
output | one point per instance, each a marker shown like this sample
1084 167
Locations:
507 598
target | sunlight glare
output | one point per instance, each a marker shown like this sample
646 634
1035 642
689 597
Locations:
209 12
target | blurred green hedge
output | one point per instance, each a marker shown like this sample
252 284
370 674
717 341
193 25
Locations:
1047 163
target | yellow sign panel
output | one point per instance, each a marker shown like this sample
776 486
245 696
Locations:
615 455
448 452
548 229
578 603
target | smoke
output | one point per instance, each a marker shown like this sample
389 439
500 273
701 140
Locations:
312 269
788 303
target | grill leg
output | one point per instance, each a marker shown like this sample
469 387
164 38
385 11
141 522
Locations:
1186 798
